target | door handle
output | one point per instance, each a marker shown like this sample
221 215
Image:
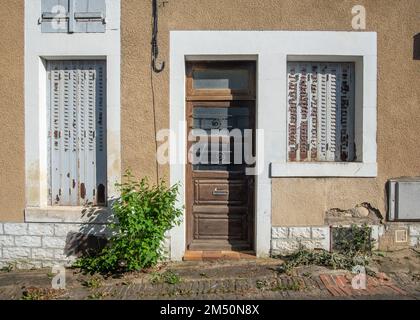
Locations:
220 192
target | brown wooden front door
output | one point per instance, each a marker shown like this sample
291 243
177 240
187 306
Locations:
220 195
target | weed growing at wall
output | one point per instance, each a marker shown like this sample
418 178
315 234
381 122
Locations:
144 213
353 240
166 277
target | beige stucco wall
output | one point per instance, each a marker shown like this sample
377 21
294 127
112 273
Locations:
304 201
12 141
295 201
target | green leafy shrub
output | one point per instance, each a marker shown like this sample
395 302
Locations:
353 240
144 213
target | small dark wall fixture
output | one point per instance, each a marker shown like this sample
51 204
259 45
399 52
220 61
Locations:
416 47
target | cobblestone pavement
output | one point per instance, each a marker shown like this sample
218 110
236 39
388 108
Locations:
258 279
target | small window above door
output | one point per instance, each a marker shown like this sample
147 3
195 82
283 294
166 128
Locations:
221 80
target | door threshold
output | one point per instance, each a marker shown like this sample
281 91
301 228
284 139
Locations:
212 255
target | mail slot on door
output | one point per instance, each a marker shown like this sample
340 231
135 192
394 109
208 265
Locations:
232 192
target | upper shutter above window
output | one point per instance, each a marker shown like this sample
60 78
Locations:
321 111
89 16
54 16
73 16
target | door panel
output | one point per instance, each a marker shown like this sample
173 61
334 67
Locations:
220 199
220 191
220 196
221 226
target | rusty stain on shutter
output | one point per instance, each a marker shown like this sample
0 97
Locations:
303 114
292 113
77 137
320 111
314 113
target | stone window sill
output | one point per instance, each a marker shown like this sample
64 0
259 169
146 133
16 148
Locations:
96 215
324 169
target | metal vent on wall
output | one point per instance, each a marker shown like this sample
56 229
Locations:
404 199
73 16
321 111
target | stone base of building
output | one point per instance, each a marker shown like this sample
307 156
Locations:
387 237
41 245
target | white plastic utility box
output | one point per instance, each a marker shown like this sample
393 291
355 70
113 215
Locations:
404 199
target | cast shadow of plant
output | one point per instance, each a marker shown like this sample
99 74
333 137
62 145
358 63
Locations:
93 233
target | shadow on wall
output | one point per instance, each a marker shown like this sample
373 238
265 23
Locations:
92 235
416 47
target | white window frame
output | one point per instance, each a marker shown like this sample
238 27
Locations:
271 50
40 47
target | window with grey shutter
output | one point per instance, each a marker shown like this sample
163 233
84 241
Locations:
77 132
320 111
73 16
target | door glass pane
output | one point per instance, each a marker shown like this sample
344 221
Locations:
233 79
219 134
220 118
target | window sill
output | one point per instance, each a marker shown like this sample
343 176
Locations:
96 215
324 169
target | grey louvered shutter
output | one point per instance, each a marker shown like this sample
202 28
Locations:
77 148
88 16
320 111
54 16
73 16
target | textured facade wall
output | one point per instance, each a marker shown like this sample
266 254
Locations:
12 130
296 202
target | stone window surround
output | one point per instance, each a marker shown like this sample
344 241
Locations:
40 47
272 50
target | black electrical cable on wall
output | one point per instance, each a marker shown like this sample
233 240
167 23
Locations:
154 68
155 47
